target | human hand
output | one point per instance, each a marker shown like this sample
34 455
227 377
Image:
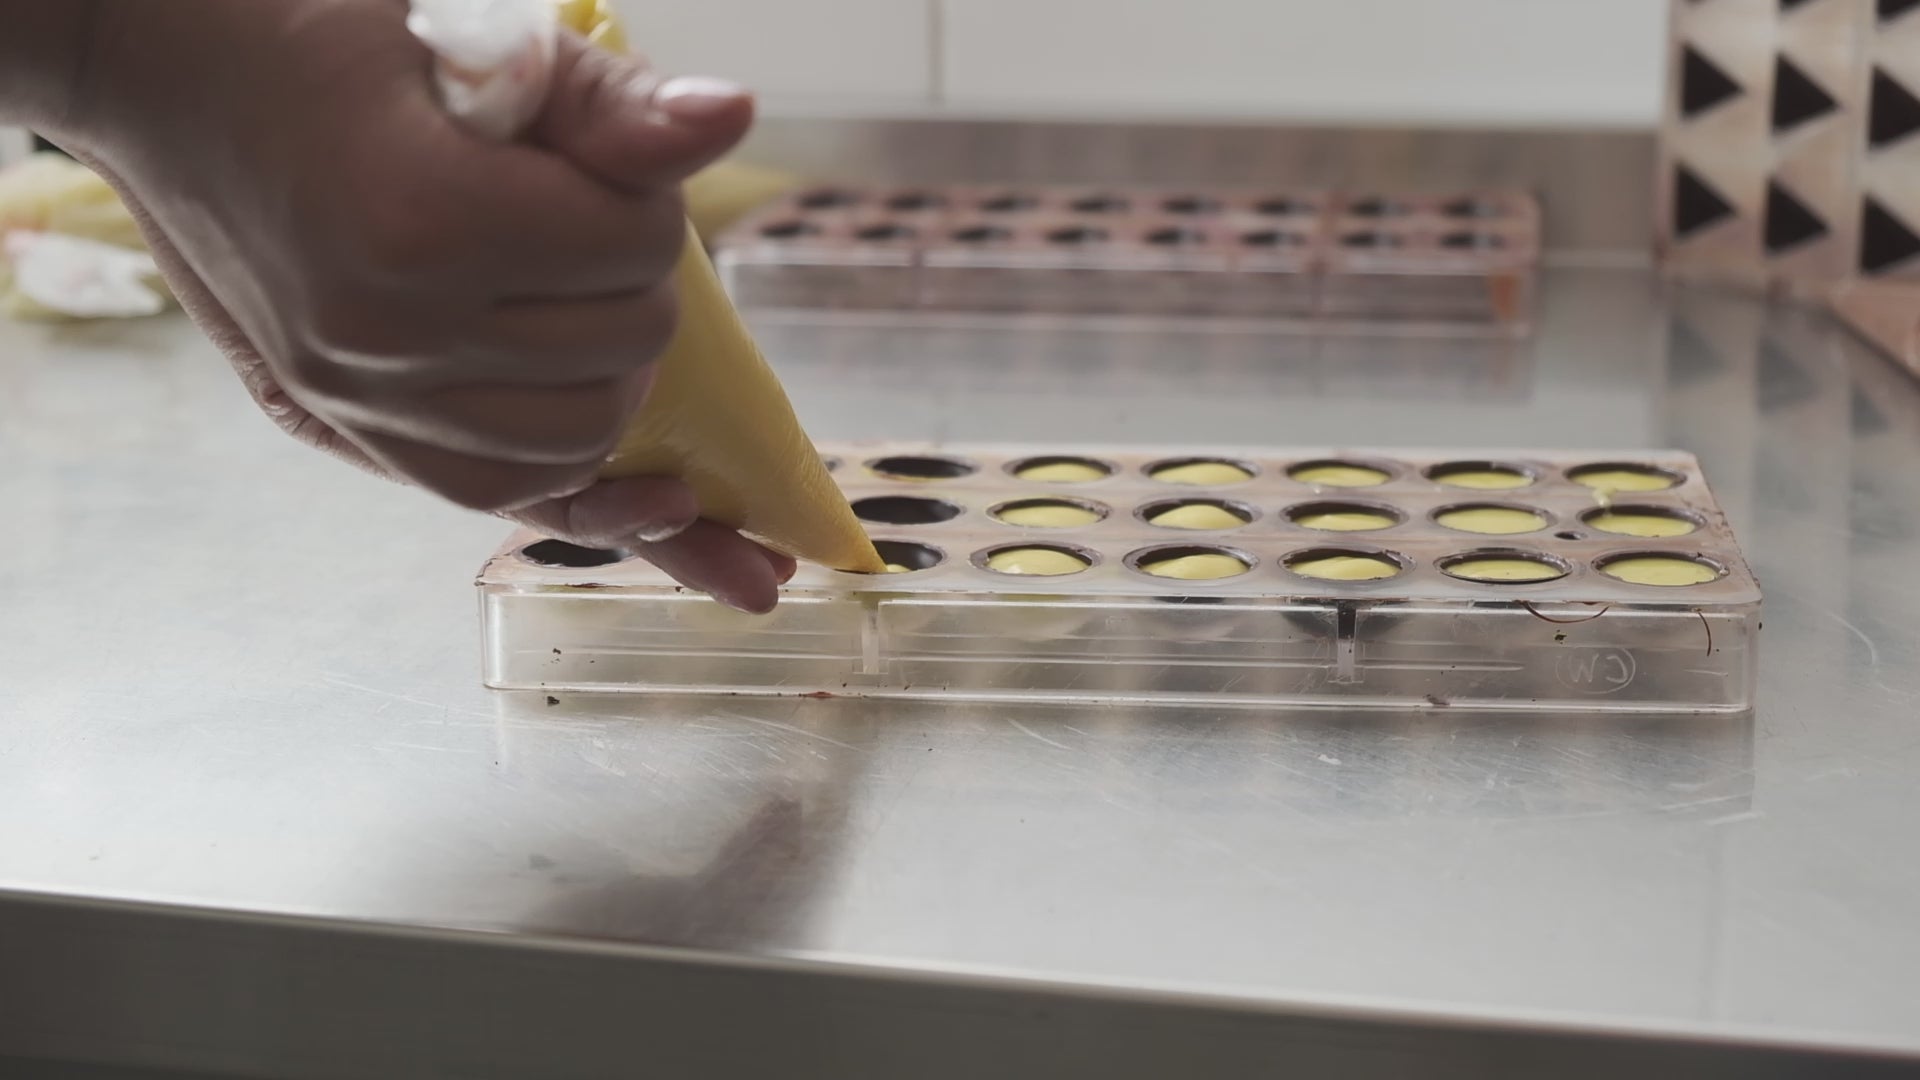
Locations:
479 319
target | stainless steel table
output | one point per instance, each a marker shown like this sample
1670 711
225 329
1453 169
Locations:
258 816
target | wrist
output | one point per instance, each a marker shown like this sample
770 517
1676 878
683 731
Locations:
45 56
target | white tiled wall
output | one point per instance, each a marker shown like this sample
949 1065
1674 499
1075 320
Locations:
1462 61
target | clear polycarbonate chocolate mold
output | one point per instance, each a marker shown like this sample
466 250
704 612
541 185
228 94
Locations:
1525 580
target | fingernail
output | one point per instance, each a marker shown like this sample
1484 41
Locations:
740 607
696 98
661 532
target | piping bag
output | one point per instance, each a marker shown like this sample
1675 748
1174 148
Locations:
716 416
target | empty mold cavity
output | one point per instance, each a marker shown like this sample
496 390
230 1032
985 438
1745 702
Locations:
1470 207
1198 515
1491 519
1100 204
916 200
1035 560
921 468
886 230
1648 522
1049 513
1344 516
1345 564
904 557
1370 238
560 555
1190 562
1610 477
982 234
788 230
1473 241
1662 569
1376 207
1060 470
1273 238
1008 202
1077 234
1340 474
1480 475
1501 566
828 199
1200 472
1174 237
1190 204
1284 206
905 510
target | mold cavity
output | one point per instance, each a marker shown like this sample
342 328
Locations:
1642 521
1177 237
1200 472
903 557
982 234
905 510
1491 519
1340 474
1283 207
1370 239
1611 477
787 230
1099 204
1061 470
1376 207
828 199
1010 202
916 200
1480 475
1473 208
1077 234
1343 517
558 554
920 468
887 230
1273 238
1049 513
1198 515
1190 204
1345 564
1656 568
1473 241
1505 567
1034 560
1190 562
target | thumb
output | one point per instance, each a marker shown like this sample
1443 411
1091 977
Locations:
633 128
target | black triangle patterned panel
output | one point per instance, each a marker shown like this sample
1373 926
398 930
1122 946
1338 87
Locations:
1797 98
1695 204
1893 112
1702 84
1885 241
1789 222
